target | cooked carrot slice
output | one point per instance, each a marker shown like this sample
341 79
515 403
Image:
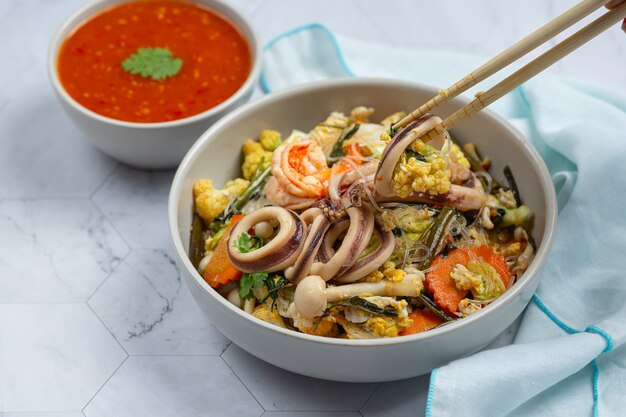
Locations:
422 320
442 286
219 270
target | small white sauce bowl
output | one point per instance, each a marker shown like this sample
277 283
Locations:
216 156
158 145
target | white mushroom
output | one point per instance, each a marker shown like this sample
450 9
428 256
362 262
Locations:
233 297
312 296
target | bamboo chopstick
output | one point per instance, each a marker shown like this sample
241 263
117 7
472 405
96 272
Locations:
520 49
483 99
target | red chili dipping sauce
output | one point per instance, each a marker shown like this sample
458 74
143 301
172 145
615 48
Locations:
215 61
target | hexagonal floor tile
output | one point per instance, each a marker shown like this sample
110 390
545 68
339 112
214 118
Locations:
173 386
399 399
50 158
136 203
277 389
312 414
39 414
150 311
54 356
59 250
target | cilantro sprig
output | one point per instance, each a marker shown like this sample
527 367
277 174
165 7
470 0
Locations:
262 279
156 63
250 281
247 243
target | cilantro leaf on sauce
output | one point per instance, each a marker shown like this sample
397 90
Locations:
155 63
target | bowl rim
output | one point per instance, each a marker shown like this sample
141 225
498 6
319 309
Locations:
222 9
302 89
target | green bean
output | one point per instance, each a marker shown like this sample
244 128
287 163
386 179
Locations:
196 241
508 174
435 234
433 307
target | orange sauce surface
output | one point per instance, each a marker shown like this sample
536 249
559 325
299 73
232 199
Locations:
216 61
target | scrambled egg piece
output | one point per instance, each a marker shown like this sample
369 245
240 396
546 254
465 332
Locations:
269 139
265 313
378 326
254 156
466 307
391 273
514 248
374 276
480 278
324 326
210 202
506 198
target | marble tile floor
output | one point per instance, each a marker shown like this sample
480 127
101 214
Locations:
94 317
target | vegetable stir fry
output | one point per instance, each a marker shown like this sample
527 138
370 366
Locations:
358 230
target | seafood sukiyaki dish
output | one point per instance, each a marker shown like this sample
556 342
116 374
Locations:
361 230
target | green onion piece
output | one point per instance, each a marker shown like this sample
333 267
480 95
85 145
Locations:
255 187
196 240
436 233
362 304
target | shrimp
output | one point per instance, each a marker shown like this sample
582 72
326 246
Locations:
277 195
295 165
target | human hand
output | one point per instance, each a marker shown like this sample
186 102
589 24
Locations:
614 3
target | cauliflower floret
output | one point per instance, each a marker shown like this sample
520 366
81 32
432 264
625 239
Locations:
254 156
269 139
457 156
480 278
210 202
236 186
361 114
413 175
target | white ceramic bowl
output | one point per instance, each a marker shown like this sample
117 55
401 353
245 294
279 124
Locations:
216 155
150 145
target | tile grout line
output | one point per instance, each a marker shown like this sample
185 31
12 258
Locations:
370 397
244 385
104 180
107 329
105 382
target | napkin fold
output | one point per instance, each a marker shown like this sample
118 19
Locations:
569 356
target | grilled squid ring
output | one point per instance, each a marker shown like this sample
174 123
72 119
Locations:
374 260
318 225
394 150
361 225
280 252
